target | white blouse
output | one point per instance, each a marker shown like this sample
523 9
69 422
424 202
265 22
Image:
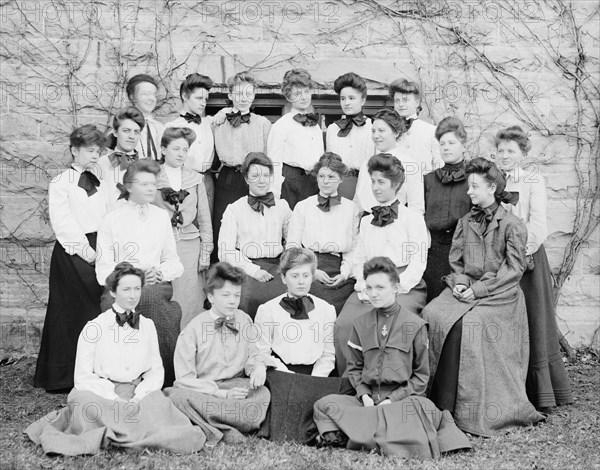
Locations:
294 144
202 151
531 207
141 235
420 142
73 213
335 231
405 242
111 175
412 192
107 351
247 234
298 341
354 148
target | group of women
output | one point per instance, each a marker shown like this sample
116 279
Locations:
318 245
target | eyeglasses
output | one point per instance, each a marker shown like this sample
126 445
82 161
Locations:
329 178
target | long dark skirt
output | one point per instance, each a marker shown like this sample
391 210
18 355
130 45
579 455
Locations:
297 185
229 187
444 383
547 382
438 264
73 301
347 187
290 415
156 304
256 293
413 301
338 295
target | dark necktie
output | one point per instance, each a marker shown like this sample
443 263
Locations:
236 119
308 119
124 159
408 122
385 215
452 173
189 117
170 196
346 124
298 308
131 317
483 216
258 203
221 321
326 203
152 154
89 182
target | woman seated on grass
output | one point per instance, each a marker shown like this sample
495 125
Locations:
118 376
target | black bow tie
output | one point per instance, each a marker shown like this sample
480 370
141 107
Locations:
452 173
189 117
298 308
481 215
123 190
236 119
346 124
89 182
408 122
258 203
230 324
308 119
175 198
131 317
509 197
124 159
326 203
385 215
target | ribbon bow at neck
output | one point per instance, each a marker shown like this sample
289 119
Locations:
385 215
124 159
131 317
509 197
299 307
452 173
89 182
175 198
481 216
189 117
236 119
258 203
229 323
308 119
346 123
326 203
408 122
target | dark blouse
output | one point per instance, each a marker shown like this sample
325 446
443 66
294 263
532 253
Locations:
445 203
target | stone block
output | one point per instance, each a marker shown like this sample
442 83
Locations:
20 127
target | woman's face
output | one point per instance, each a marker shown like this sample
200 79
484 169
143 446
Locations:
144 97
451 148
176 152
226 299
300 98
509 155
86 156
196 101
383 135
405 104
298 280
351 101
143 188
480 191
382 187
128 135
381 290
328 182
242 96
258 179
128 292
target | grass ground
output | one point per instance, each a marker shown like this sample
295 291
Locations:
569 439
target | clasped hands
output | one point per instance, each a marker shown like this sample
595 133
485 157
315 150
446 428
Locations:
462 292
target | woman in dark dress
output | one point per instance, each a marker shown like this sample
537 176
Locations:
446 201
77 203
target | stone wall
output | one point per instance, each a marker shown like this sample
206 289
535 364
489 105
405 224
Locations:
493 64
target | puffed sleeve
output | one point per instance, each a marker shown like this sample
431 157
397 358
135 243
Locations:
170 264
348 257
105 261
536 225
417 244
275 149
204 224
297 226
325 364
456 258
228 238
287 217
153 378
260 349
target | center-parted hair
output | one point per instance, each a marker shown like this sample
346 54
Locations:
140 166
392 119
220 273
256 158
297 256
514 133
451 124
87 135
241 77
193 81
173 133
134 81
389 166
381 264
121 270
351 80
131 113
332 161
404 86
490 172
295 78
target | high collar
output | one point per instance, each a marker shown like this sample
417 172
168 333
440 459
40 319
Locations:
214 316
117 308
